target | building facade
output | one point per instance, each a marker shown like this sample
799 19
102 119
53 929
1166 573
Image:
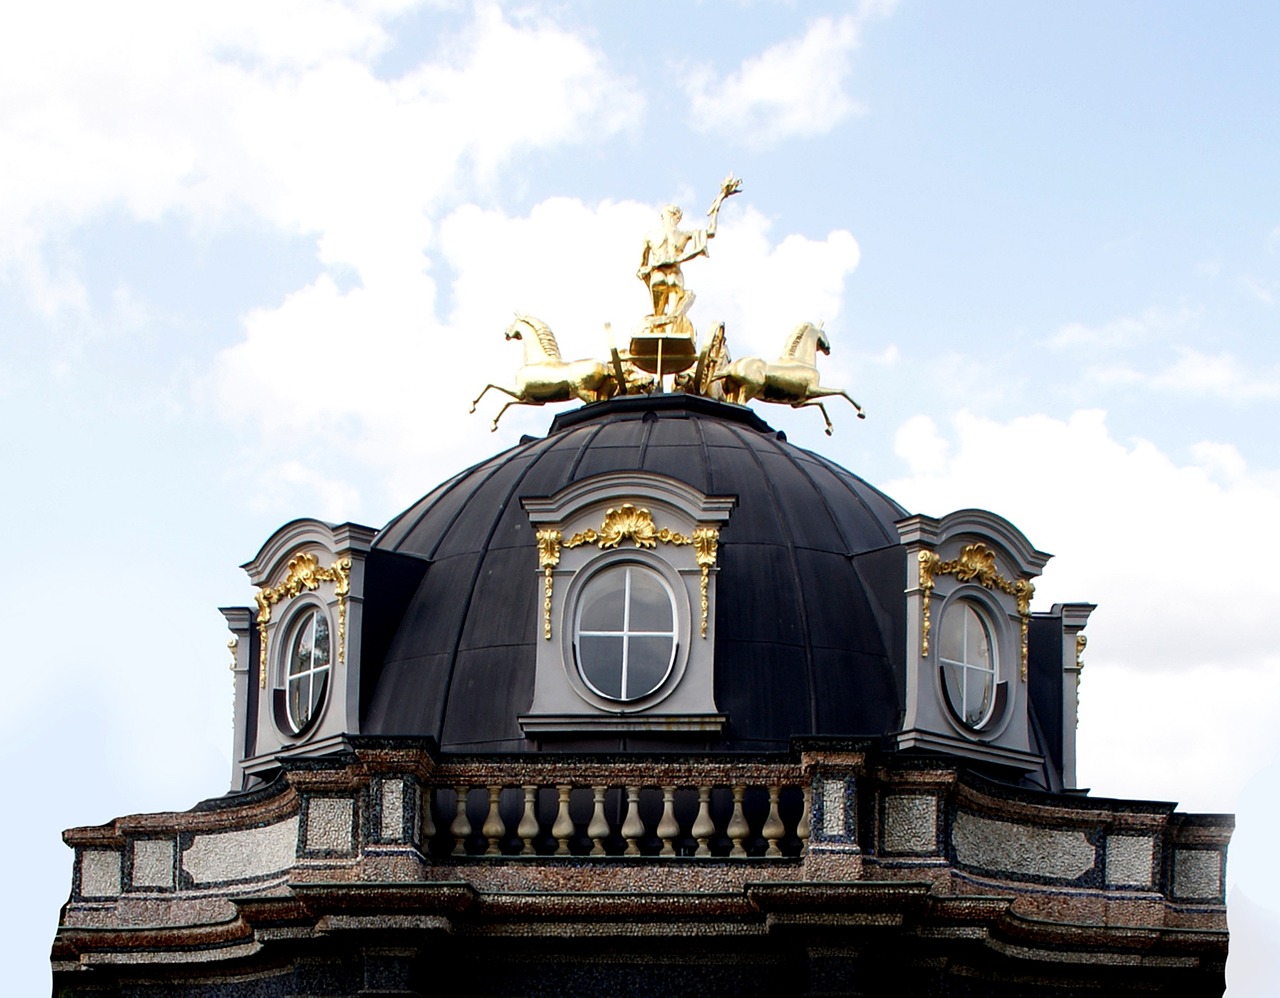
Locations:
655 703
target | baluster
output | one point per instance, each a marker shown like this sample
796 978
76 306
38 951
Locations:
633 827
461 826
802 826
563 827
599 827
773 829
703 826
738 827
528 827
668 827
428 828
493 829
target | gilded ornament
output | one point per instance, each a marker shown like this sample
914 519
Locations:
232 646
544 376
705 540
666 249
666 344
548 559
1081 641
627 522
303 572
791 380
929 563
975 563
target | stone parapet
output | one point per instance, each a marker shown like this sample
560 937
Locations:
827 840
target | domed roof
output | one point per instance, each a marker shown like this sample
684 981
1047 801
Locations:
810 583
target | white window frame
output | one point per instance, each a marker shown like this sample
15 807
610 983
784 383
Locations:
626 633
990 669
302 616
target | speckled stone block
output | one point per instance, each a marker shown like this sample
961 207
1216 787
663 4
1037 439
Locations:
910 823
329 821
100 873
1129 860
392 810
153 863
244 855
1197 873
1019 849
833 808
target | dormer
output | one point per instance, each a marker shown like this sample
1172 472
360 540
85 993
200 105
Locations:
627 574
969 596
296 652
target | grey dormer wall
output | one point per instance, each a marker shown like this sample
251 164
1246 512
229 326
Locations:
305 565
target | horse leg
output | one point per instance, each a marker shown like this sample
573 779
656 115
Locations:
821 408
730 387
514 401
827 392
486 388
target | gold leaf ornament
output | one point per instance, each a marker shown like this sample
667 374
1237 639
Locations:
975 563
626 522
303 573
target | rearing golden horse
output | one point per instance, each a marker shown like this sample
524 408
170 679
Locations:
791 380
544 377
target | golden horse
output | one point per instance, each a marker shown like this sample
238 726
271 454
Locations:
791 380
544 377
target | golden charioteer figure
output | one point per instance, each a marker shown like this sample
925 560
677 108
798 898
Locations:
666 343
665 250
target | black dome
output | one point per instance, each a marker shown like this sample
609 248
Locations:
811 576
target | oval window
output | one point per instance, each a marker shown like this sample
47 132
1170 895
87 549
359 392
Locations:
308 668
967 654
624 637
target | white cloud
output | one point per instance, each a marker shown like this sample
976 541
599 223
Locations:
1259 290
162 108
1195 373
1153 542
1178 736
919 443
794 88
1123 332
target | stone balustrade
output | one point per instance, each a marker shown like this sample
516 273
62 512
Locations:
737 820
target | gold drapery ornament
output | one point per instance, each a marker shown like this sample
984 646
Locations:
626 523
548 559
705 540
233 646
1081 641
304 572
975 563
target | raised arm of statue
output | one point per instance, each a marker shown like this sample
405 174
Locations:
728 187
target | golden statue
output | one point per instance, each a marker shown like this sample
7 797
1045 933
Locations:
666 344
544 377
790 380
665 250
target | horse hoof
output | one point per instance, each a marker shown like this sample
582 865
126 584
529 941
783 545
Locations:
828 431
472 410
862 415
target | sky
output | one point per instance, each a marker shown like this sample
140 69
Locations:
256 260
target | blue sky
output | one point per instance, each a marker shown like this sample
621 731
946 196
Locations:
254 262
